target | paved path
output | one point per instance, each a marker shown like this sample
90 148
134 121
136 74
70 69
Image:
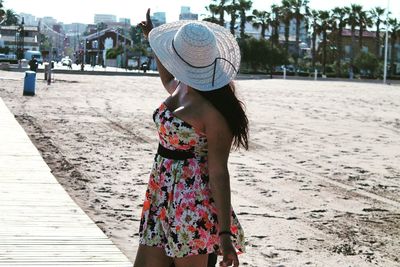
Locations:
40 225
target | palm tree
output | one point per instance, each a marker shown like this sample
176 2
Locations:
262 19
232 9
339 16
11 17
286 17
275 24
376 15
213 9
324 18
300 11
314 15
353 21
243 6
2 12
364 21
221 11
394 34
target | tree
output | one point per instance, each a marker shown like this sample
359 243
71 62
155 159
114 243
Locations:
11 17
275 23
2 12
376 16
213 9
286 17
394 35
300 11
316 29
262 55
243 7
262 19
353 21
232 9
364 21
367 63
221 12
324 17
339 19
101 26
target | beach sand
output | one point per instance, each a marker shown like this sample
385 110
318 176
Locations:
320 185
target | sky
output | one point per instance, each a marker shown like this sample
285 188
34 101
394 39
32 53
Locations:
83 10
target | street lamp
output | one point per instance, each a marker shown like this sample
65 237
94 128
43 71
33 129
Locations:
386 43
19 41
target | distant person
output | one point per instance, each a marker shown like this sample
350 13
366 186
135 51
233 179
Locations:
187 213
33 64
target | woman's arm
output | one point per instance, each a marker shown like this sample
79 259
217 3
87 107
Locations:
219 139
167 79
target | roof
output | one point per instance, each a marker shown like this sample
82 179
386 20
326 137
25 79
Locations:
14 27
102 32
368 34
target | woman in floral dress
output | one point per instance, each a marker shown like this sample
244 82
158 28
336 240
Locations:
187 212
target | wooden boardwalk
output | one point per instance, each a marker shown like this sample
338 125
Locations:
40 225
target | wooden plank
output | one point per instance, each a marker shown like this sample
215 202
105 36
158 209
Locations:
40 225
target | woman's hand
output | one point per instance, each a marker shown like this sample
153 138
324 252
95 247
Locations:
147 25
229 255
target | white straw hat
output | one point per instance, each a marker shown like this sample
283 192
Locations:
201 54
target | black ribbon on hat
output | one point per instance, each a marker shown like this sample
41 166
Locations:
202 67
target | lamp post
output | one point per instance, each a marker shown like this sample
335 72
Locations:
19 42
386 44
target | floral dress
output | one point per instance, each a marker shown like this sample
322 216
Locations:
179 213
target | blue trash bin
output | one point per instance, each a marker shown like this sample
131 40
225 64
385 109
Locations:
29 83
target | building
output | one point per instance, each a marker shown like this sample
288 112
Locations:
292 30
50 21
187 15
97 44
158 18
29 19
125 21
56 37
98 18
75 28
10 36
369 43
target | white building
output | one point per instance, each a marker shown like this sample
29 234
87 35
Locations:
187 15
50 21
98 18
158 18
9 37
125 21
29 20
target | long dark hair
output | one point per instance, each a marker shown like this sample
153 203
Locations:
225 101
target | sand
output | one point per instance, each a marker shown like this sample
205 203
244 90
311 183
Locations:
320 185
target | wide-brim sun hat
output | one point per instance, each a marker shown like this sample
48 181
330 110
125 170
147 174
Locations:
200 54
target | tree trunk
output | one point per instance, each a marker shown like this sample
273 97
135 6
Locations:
324 38
222 13
242 23
263 28
340 52
378 40
287 28
313 51
296 58
353 40
360 36
232 24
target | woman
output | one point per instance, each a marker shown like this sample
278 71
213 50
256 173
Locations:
187 212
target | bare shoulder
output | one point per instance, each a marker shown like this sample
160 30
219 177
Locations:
215 125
